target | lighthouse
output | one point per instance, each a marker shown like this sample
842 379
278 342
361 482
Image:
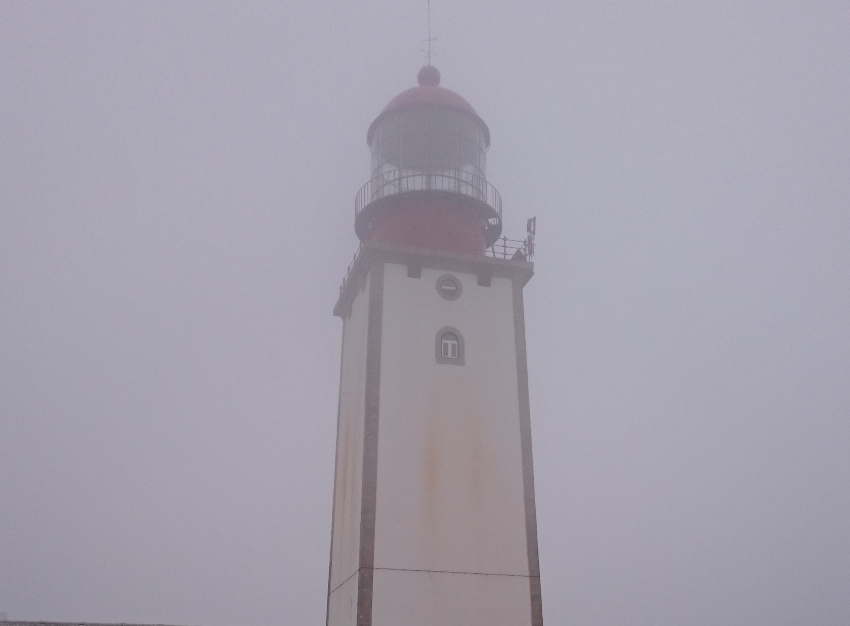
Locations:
434 520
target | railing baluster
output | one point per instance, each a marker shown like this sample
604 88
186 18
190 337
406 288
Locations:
395 181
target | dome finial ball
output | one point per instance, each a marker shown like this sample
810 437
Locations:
429 76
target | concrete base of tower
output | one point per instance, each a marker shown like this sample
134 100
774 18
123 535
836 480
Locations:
421 598
449 599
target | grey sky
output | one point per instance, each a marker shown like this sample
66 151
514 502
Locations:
176 214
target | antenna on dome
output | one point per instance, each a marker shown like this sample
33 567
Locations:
430 39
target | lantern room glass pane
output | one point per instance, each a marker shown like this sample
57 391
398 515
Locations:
470 129
428 139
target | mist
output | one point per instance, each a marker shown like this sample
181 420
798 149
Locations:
176 215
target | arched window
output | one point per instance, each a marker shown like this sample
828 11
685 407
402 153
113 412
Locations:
450 348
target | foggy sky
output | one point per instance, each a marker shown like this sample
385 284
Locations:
176 214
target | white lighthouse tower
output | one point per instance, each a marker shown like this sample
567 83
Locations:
434 519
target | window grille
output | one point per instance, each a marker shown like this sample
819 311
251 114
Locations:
449 344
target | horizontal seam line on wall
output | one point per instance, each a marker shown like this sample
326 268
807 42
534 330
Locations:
438 571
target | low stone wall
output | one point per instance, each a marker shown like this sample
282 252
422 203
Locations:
19 623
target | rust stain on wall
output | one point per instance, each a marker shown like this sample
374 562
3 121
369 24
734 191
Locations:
346 510
459 476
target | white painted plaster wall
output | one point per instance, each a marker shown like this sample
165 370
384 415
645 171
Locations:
450 488
349 470
428 599
342 607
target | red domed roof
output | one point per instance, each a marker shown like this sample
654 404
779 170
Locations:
428 93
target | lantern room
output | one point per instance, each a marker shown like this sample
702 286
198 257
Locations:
429 127
428 186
